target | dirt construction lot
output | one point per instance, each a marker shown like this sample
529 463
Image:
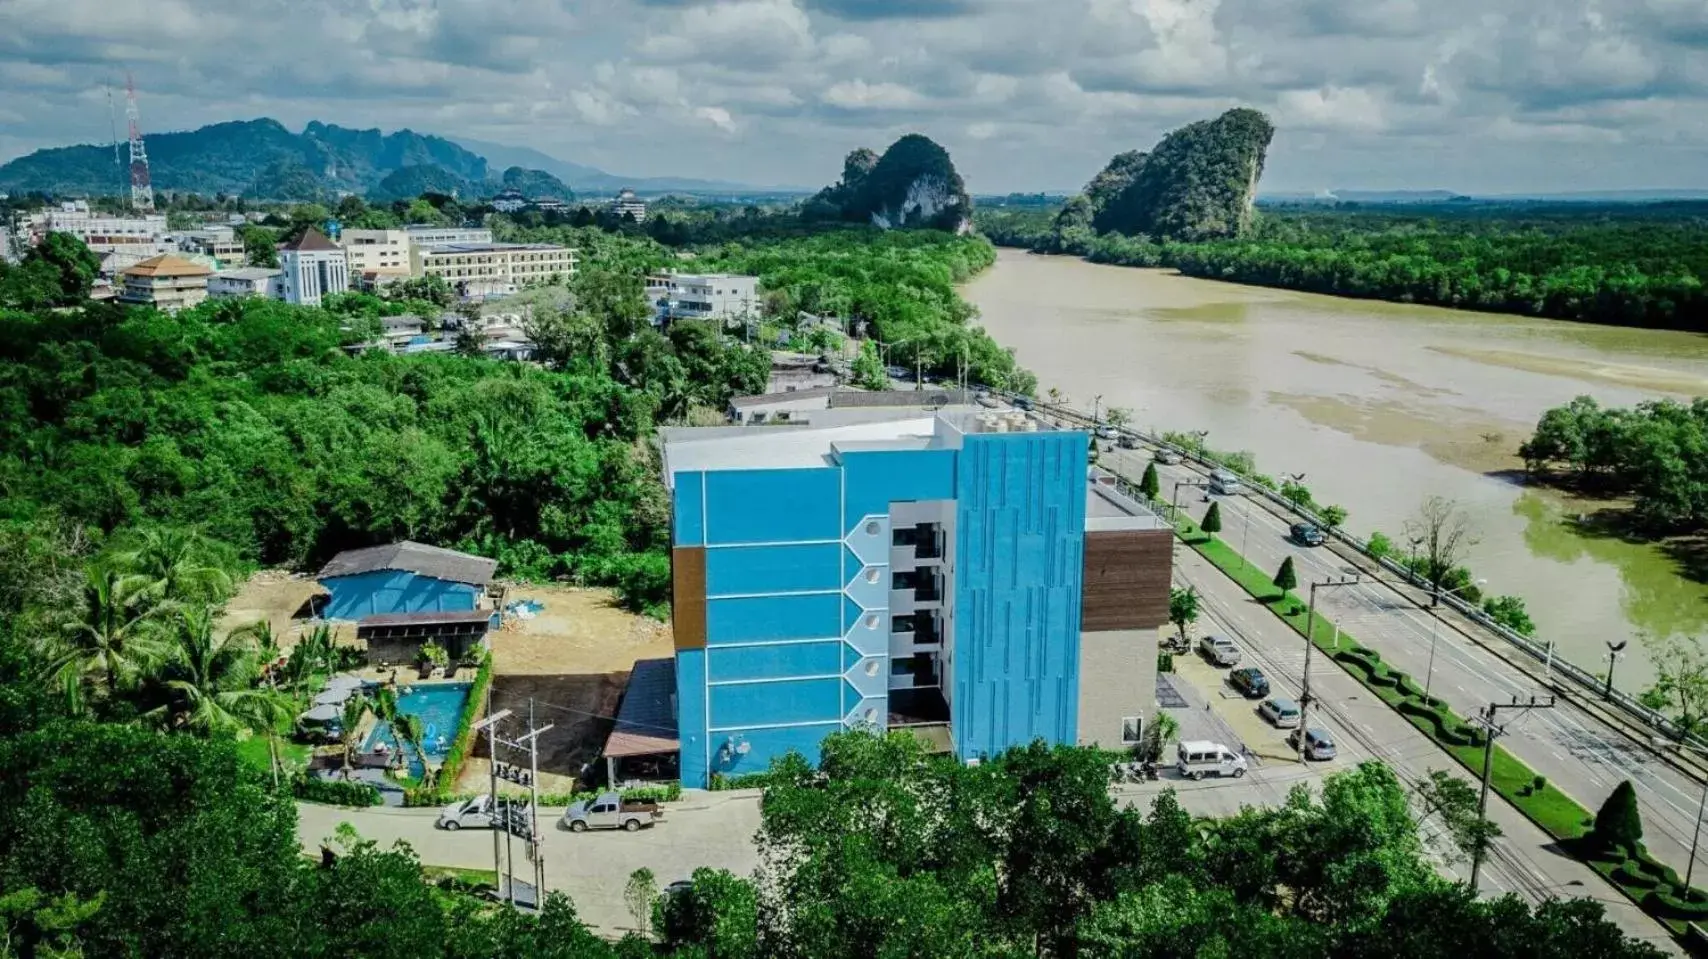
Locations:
573 660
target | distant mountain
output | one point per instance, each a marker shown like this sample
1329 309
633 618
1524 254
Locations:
535 184
246 156
412 181
586 179
914 184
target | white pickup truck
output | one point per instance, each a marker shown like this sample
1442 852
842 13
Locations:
475 813
609 811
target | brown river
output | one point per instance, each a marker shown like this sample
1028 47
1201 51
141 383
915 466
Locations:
1380 405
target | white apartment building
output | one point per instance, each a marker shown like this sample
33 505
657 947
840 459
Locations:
704 296
244 281
107 234
377 256
509 201
219 242
311 267
485 269
627 202
429 237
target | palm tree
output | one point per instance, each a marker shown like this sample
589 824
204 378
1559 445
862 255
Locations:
349 723
385 709
210 680
112 639
410 729
175 561
266 648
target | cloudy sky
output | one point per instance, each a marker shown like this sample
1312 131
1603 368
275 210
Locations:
1472 95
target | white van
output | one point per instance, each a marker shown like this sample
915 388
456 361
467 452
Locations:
1224 482
1196 759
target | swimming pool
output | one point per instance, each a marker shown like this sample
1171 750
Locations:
440 707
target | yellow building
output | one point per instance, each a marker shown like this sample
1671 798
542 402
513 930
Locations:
165 282
479 269
378 256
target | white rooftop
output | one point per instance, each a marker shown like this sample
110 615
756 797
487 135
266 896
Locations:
786 447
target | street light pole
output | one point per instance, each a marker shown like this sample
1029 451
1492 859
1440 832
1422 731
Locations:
1096 409
1701 805
1613 651
1435 630
1310 626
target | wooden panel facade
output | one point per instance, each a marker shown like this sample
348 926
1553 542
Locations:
688 596
1127 576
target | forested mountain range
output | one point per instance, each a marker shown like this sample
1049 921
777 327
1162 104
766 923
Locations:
265 160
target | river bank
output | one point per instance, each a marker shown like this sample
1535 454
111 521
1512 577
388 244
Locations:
1380 405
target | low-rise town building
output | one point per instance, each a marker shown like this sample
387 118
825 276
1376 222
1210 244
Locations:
627 204
244 281
105 233
509 201
376 257
311 268
703 296
495 269
219 243
424 237
165 282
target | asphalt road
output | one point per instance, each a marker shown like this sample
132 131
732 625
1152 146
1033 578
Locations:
1579 752
1523 861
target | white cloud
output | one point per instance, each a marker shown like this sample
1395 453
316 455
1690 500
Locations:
1330 108
716 116
860 95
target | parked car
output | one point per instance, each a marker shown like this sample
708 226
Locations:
1219 650
1168 457
1128 441
1282 713
1225 482
610 811
473 813
1023 403
1196 759
1107 432
1306 534
1318 743
1250 681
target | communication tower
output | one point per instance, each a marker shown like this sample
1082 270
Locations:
141 190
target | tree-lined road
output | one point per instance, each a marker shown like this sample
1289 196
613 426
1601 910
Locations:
1580 753
1524 860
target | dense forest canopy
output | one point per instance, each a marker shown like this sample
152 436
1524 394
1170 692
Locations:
1631 265
1656 453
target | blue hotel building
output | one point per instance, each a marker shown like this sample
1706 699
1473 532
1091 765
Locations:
962 572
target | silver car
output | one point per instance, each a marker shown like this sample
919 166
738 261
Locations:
1319 745
1281 713
1219 650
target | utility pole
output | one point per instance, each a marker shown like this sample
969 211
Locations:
1310 644
1495 731
1174 501
488 724
528 824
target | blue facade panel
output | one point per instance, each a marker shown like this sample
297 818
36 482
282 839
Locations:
763 745
774 661
766 618
689 505
775 703
876 478
1020 543
745 570
773 506
394 591
691 715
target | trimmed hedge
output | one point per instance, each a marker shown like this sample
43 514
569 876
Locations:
334 792
463 743
1664 902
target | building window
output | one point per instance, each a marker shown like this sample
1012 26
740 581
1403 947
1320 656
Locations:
1132 730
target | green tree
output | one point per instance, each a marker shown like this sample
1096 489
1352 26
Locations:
350 729
74 265
1454 802
412 734
210 681
1619 823
1681 677
1509 611
179 564
640 894
1444 534
113 639
1183 608
719 913
868 369
1297 495
1333 517
1212 519
1149 484
1286 579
